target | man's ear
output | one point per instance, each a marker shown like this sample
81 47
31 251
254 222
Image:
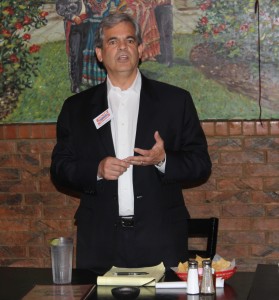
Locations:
98 52
140 50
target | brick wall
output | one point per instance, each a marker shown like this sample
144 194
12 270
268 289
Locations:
243 192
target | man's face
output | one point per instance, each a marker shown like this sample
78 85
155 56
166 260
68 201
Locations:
120 53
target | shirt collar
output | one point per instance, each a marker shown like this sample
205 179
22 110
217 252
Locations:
135 86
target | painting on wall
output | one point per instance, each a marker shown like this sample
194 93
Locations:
225 53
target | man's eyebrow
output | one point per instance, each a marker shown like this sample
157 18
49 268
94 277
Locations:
116 38
112 38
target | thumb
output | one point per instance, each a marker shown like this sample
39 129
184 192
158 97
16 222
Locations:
157 137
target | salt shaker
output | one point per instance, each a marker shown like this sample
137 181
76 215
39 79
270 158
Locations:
207 285
193 278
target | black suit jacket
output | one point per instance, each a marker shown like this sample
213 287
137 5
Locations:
160 212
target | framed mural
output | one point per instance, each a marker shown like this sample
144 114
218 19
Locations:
225 53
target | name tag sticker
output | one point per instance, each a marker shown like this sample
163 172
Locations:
103 118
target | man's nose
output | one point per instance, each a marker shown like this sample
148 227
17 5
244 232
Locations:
122 45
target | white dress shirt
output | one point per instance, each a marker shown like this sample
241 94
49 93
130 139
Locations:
125 107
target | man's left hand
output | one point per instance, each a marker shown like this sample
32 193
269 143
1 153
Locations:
149 157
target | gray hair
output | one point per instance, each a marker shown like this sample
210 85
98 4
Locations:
113 20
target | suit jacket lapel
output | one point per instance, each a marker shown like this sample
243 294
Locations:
100 104
146 117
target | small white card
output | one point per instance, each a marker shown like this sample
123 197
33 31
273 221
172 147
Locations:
103 118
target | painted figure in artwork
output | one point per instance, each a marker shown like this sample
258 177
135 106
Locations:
164 19
77 15
143 12
156 20
81 18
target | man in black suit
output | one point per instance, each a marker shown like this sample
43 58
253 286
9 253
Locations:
127 145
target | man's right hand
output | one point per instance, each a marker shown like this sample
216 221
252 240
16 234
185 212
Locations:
110 168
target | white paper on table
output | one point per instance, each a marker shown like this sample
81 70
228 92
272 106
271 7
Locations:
171 285
220 282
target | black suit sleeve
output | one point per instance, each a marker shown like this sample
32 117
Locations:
190 161
68 167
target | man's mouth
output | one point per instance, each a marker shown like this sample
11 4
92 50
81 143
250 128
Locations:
123 57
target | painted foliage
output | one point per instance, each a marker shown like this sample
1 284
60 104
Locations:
224 52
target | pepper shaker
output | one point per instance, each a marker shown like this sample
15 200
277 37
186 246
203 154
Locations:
207 285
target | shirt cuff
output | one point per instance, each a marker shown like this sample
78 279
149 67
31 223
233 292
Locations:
162 168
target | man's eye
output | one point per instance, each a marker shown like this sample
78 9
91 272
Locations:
112 42
131 41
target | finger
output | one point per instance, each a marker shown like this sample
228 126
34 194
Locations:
114 172
120 168
142 152
122 163
136 160
149 157
157 136
141 163
111 168
158 139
